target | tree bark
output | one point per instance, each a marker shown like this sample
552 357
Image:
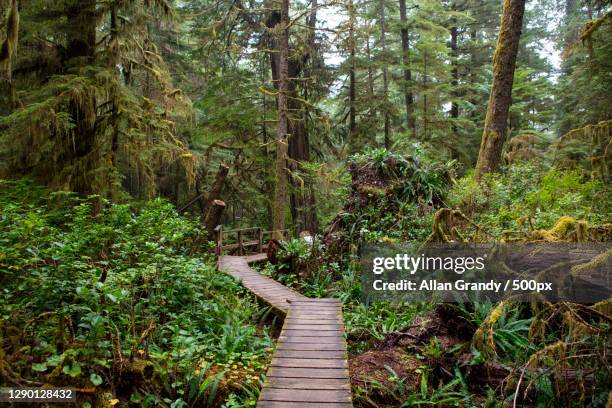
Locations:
385 77
454 111
280 190
7 49
217 188
352 79
80 32
369 60
425 130
80 49
408 96
303 194
500 99
301 197
213 218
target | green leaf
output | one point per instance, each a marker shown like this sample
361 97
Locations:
54 360
95 379
73 370
40 367
424 385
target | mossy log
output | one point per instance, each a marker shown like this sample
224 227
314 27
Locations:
444 228
565 229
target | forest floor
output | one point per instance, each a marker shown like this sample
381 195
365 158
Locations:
124 301
478 354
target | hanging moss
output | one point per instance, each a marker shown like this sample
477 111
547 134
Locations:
83 127
444 226
9 45
597 138
483 339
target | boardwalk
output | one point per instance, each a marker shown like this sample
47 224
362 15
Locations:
309 367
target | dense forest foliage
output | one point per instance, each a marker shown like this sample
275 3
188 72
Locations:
130 129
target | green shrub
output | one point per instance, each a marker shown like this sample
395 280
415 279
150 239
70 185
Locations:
88 293
530 195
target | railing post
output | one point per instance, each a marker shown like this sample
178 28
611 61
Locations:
240 249
259 240
219 232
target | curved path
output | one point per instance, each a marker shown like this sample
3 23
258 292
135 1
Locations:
309 367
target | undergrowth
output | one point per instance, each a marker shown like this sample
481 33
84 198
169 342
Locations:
481 354
122 302
531 195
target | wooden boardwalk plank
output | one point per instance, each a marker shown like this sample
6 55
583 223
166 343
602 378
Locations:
308 362
309 368
311 339
287 404
310 353
314 319
300 325
317 333
293 395
307 383
308 372
311 347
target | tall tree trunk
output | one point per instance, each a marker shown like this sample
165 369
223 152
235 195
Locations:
280 190
500 99
113 61
302 199
424 94
474 62
369 62
385 76
268 184
408 96
80 31
80 51
352 79
308 216
569 35
8 48
454 110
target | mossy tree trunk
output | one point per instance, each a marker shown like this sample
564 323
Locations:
301 195
454 54
280 190
7 49
408 96
352 78
385 77
500 99
79 53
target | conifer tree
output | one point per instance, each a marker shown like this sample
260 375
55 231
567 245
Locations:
504 62
280 188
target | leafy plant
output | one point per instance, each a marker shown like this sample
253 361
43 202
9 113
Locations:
86 291
510 332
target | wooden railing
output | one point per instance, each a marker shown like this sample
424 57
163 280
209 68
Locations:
254 239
